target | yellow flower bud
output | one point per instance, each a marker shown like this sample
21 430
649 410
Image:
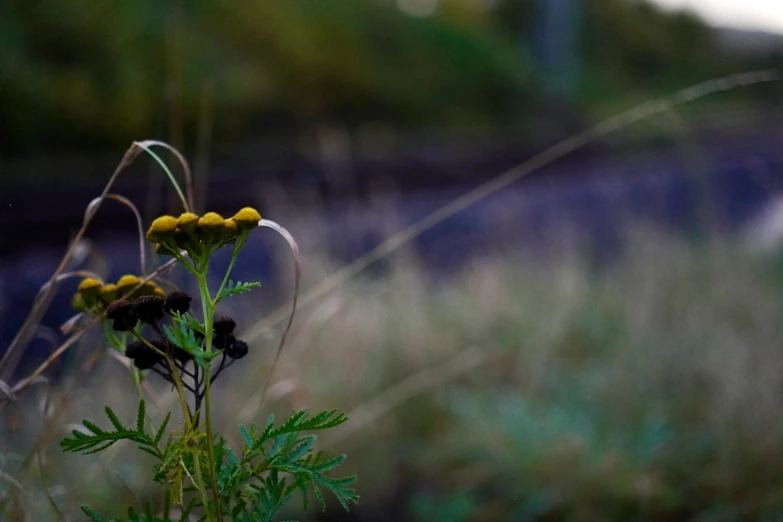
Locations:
109 293
126 284
187 222
247 218
211 222
77 302
147 288
90 285
162 228
89 289
230 228
162 250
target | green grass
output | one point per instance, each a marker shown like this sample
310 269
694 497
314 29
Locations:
514 391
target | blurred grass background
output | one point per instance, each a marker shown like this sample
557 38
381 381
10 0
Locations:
564 353
516 390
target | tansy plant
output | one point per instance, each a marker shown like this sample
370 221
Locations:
157 332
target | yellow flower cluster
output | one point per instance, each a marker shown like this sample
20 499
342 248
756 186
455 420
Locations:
188 230
92 295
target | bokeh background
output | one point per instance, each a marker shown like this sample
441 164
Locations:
598 340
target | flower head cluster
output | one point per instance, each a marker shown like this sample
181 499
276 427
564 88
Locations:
149 309
194 233
94 296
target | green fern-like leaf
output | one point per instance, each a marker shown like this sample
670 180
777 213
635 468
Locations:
95 517
299 421
159 434
140 416
189 321
233 288
97 439
284 449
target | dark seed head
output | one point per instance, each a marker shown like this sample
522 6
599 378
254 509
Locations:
177 301
134 349
119 309
142 355
237 350
223 342
125 324
149 308
224 325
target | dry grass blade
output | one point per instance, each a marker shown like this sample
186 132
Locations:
42 303
11 480
7 391
297 273
24 383
52 504
67 275
396 395
147 145
606 127
140 225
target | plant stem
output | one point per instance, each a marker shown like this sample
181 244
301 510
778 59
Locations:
208 307
240 242
199 480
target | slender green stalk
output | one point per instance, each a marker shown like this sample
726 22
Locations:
208 308
199 480
237 247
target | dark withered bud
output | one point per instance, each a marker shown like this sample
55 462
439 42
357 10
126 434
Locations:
118 309
223 342
122 316
182 355
237 350
178 353
224 325
142 355
148 308
177 301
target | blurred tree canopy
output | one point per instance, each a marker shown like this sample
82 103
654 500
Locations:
87 74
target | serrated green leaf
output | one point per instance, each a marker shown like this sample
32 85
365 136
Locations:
189 321
246 438
232 288
159 434
92 427
140 416
114 420
95 517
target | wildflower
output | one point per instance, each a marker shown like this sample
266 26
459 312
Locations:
211 222
150 288
127 283
108 293
89 289
162 250
148 308
90 286
143 356
147 288
223 341
121 313
237 350
187 222
177 302
162 229
224 325
247 218
77 302
230 228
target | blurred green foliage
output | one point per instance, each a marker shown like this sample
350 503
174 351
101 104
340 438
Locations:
85 74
